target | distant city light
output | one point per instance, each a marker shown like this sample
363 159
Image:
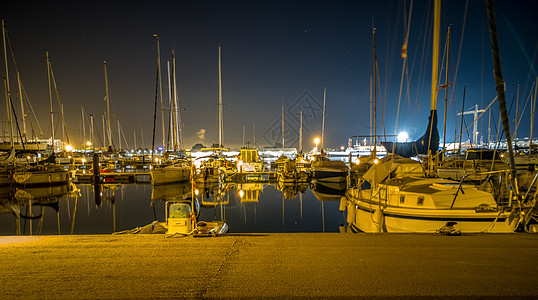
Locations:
402 137
68 148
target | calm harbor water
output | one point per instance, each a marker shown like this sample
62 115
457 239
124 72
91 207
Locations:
247 208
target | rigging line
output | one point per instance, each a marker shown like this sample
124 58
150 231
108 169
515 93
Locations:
459 51
391 47
404 65
381 103
124 138
17 123
518 119
29 104
59 104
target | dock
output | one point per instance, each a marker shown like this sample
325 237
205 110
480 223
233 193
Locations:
269 265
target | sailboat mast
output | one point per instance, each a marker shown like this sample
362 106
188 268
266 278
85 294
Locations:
301 131
169 105
83 127
375 96
499 84
107 109
160 86
446 87
8 95
50 102
323 116
435 56
282 123
174 104
532 113
370 115
220 102
119 135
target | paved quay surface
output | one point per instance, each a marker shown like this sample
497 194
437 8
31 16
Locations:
269 265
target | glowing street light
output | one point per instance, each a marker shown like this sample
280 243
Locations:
68 148
316 141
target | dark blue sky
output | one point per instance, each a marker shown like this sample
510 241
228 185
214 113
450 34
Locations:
270 50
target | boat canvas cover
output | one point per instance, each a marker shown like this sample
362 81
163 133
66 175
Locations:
390 163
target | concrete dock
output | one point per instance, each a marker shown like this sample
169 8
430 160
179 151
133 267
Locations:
269 265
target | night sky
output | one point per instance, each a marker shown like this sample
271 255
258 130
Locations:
271 50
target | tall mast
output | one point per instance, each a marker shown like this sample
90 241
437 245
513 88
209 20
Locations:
169 105
446 88
323 116
119 135
375 96
435 67
499 84
370 110
8 95
282 123
220 102
160 86
50 102
107 109
301 131
91 130
533 108
83 127
435 56
174 104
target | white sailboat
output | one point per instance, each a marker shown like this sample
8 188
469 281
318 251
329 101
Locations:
176 170
46 172
395 195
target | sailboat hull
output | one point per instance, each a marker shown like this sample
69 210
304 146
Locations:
371 217
169 174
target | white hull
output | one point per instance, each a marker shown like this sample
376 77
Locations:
44 177
371 218
169 174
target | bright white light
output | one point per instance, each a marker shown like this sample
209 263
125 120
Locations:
68 148
241 194
402 137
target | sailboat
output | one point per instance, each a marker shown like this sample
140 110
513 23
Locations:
45 172
170 170
324 169
395 195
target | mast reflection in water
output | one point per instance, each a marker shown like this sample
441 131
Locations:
246 207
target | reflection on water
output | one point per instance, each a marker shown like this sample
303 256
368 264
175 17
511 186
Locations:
108 208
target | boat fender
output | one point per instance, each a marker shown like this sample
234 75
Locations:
351 211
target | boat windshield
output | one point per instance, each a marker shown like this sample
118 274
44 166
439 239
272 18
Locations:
179 210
